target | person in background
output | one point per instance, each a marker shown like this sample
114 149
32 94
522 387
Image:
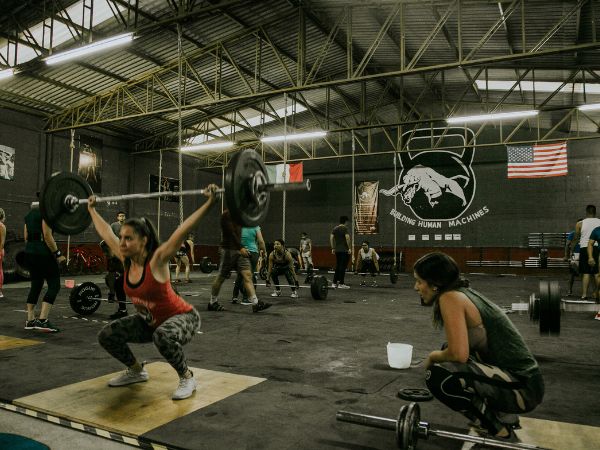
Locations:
185 257
485 370
252 240
42 257
233 256
306 251
2 243
572 255
367 260
583 229
115 270
341 248
281 262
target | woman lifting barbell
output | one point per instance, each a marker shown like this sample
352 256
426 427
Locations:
281 263
485 371
163 316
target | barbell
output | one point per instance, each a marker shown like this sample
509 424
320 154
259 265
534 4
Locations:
409 429
319 287
393 275
246 190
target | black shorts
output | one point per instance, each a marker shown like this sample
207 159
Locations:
584 266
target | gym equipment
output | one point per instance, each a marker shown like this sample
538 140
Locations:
409 429
545 309
393 275
85 298
247 193
415 394
319 287
206 265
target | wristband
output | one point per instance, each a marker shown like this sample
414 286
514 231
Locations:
57 254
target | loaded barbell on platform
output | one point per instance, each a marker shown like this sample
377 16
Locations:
393 274
246 190
319 287
409 429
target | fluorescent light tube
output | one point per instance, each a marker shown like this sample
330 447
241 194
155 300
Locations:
294 137
589 107
209 146
91 48
6 73
495 116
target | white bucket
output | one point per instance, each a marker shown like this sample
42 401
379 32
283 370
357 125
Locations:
399 355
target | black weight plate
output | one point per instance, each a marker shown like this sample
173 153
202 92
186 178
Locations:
544 307
554 308
410 426
393 275
82 298
52 203
415 394
206 265
319 288
401 439
246 209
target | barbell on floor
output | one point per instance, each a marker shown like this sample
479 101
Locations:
319 287
246 190
393 275
85 298
409 429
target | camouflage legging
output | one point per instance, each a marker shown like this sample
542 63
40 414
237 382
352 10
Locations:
169 338
484 392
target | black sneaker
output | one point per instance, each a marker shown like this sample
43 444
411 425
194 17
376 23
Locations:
46 326
118 314
260 306
216 306
234 300
31 324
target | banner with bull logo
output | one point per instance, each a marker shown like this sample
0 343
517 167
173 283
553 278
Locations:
437 187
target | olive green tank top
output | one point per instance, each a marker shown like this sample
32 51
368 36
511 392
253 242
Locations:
505 345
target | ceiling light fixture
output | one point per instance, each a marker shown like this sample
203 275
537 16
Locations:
7 73
209 146
494 116
294 137
589 107
91 48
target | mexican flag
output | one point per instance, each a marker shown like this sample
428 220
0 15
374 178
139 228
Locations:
285 173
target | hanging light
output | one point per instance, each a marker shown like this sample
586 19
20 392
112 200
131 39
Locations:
89 49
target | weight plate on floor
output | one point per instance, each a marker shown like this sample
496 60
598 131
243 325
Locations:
56 214
534 308
415 394
319 287
554 308
206 265
247 202
393 275
544 308
82 298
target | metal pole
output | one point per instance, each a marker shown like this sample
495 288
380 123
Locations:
285 149
72 147
160 159
353 198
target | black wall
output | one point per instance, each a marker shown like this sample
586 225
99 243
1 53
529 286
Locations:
508 209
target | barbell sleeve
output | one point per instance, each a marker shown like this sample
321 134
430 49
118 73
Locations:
366 420
296 186
479 439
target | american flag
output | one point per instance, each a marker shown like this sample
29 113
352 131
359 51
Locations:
537 161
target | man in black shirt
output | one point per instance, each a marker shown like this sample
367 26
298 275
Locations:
341 248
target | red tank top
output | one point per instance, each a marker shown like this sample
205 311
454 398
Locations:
154 301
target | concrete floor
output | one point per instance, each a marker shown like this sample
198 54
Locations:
317 356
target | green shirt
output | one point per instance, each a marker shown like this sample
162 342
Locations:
35 237
506 347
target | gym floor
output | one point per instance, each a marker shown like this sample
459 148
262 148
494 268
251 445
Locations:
275 380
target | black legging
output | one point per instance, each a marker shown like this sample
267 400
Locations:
482 391
289 275
341 263
43 267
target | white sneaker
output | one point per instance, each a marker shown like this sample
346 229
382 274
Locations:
276 294
186 388
129 376
294 295
343 286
